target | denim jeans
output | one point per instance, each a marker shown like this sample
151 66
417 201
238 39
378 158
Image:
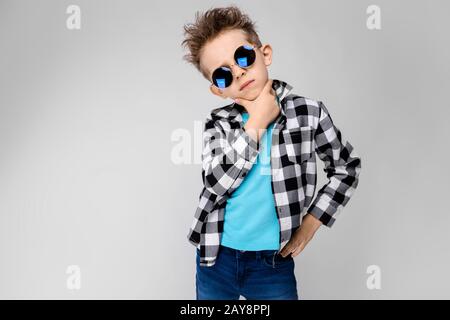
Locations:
253 274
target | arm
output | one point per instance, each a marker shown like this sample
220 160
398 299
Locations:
226 156
342 165
227 159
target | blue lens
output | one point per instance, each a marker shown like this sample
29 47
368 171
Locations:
245 56
222 77
242 62
220 83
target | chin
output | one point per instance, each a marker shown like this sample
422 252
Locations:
254 93
251 94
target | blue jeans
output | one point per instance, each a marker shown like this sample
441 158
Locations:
253 274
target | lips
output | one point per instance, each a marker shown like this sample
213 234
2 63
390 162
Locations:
245 84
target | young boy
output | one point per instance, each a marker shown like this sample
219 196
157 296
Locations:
255 211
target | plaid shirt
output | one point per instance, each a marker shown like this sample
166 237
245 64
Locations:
303 129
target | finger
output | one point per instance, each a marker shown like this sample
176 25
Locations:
272 92
298 249
268 86
286 251
242 102
282 252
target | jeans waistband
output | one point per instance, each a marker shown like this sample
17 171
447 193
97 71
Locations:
247 253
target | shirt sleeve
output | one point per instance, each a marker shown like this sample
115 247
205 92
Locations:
227 156
342 166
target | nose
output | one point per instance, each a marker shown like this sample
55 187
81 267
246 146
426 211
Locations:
239 71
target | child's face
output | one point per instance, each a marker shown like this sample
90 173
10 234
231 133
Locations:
220 52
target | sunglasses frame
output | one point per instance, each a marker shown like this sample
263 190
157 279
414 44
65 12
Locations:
253 47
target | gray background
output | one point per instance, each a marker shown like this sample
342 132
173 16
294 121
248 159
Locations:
86 118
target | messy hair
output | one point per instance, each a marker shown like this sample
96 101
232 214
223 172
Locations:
209 25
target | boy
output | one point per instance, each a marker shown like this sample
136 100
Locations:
255 211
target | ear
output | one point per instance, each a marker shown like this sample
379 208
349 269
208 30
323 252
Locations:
216 91
266 50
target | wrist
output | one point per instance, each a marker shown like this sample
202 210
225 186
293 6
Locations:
257 122
312 221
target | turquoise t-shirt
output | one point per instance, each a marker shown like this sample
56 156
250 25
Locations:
250 220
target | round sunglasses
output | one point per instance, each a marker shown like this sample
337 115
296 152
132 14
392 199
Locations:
244 56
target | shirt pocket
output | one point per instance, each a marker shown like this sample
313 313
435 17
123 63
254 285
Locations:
299 143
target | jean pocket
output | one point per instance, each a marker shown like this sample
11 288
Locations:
298 143
277 261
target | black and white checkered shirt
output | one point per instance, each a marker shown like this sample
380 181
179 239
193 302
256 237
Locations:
303 129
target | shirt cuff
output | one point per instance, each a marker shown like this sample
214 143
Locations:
322 210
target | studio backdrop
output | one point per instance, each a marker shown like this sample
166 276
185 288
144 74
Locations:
100 143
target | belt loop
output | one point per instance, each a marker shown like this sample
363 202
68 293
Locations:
273 259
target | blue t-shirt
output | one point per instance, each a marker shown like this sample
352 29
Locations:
250 220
